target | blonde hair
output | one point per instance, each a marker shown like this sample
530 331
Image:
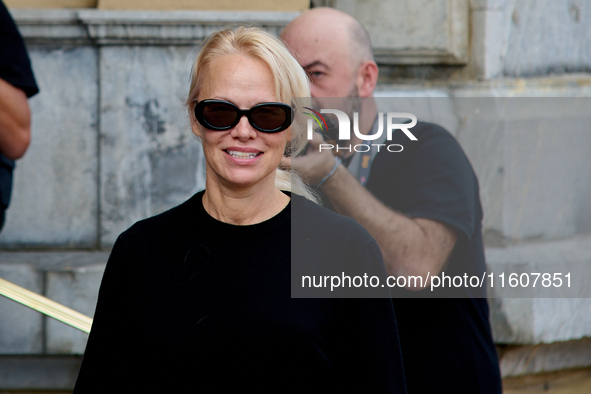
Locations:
289 78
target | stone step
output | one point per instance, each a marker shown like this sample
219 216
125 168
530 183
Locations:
54 260
38 352
70 278
38 374
530 360
541 318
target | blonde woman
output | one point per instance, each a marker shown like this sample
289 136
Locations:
199 297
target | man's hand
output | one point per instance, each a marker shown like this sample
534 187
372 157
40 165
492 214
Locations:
15 121
314 165
410 246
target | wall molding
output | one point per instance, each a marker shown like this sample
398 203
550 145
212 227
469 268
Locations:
101 27
444 41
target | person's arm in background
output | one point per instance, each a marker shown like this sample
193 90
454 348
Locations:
17 84
410 246
15 121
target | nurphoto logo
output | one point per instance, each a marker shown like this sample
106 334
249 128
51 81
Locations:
344 129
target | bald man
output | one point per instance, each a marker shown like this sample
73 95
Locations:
422 206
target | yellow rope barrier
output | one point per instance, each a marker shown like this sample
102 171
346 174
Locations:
45 305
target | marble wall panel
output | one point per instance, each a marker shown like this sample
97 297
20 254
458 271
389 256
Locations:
539 319
150 159
413 32
547 36
54 201
481 134
21 328
547 171
519 38
531 158
77 289
561 319
529 153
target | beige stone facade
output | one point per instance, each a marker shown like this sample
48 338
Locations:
51 3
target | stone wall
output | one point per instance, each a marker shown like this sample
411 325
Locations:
518 38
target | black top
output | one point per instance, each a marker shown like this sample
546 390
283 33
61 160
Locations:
188 303
15 66
446 342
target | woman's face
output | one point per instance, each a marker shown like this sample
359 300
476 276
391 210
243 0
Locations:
242 156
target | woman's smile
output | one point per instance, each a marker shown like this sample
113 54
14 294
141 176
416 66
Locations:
243 155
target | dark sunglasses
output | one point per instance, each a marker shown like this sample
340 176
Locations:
222 115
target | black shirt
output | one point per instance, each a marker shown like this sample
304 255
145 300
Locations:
15 66
188 303
446 342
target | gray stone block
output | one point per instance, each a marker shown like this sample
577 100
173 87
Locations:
530 155
562 319
530 360
38 374
523 38
77 289
547 174
417 32
55 260
487 43
54 200
539 320
536 319
547 36
512 320
21 328
482 136
150 159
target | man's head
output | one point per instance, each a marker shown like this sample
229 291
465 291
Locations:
335 50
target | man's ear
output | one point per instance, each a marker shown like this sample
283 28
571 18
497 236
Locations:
367 78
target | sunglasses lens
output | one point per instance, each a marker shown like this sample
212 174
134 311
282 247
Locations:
219 114
269 117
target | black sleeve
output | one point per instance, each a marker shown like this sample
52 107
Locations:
432 179
373 359
15 66
113 349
